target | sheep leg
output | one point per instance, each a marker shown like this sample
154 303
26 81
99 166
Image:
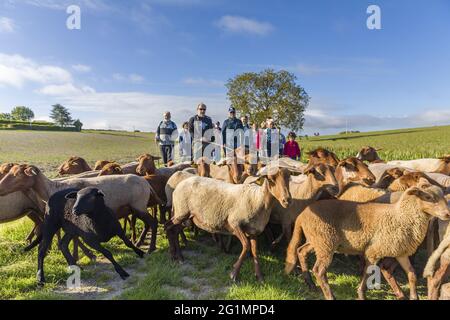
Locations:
434 283
149 223
42 252
162 214
362 288
302 254
133 228
320 272
387 267
245 248
228 244
125 222
254 249
433 225
64 247
129 244
95 244
37 219
412 279
75 249
86 251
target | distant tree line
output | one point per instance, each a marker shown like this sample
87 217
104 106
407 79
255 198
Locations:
59 114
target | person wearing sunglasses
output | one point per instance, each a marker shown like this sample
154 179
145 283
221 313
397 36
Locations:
203 122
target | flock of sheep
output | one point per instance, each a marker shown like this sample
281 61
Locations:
379 211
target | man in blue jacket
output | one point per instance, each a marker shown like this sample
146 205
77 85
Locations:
232 124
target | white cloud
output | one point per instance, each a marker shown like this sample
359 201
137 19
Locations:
67 89
133 78
203 82
317 119
125 110
6 25
81 68
16 70
237 24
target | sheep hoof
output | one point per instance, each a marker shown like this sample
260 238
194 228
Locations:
140 253
233 277
124 275
260 278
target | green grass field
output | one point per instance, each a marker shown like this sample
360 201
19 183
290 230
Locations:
205 272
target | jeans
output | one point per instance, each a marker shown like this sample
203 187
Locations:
166 152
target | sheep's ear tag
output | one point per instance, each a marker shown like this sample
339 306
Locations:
100 193
71 195
75 163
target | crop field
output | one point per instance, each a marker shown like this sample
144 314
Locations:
204 274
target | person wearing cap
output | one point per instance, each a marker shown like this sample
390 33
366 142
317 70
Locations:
231 124
167 129
205 123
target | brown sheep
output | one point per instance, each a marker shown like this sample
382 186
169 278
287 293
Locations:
324 156
74 165
100 164
111 169
369 154
388 177
371 229
411 179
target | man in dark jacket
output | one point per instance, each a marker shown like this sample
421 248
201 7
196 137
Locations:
199 124
232 124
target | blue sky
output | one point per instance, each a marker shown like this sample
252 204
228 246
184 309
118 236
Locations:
134 59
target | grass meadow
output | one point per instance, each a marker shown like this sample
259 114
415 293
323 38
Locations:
204 275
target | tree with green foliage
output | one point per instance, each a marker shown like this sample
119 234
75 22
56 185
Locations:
78 125
5 116
61 115
22 113
269 94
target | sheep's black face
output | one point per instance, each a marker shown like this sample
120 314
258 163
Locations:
87 200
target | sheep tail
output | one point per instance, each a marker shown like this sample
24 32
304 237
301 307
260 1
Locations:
34 243
294 244
431 263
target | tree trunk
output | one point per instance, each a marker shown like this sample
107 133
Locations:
445 292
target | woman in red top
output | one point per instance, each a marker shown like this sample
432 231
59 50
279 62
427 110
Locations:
291 147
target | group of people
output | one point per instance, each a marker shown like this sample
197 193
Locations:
200 137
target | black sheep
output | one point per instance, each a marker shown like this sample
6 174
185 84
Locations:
80 213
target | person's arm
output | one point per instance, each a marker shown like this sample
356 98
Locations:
191 126
158 132
174 134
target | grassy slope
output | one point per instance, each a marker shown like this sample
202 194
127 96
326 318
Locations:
205 274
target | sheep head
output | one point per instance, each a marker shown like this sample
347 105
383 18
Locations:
357 171
100 164
431 201
74 165
412 179
324 156
278 184
146 164
111 169
324 176
19 178
87 201
369 154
